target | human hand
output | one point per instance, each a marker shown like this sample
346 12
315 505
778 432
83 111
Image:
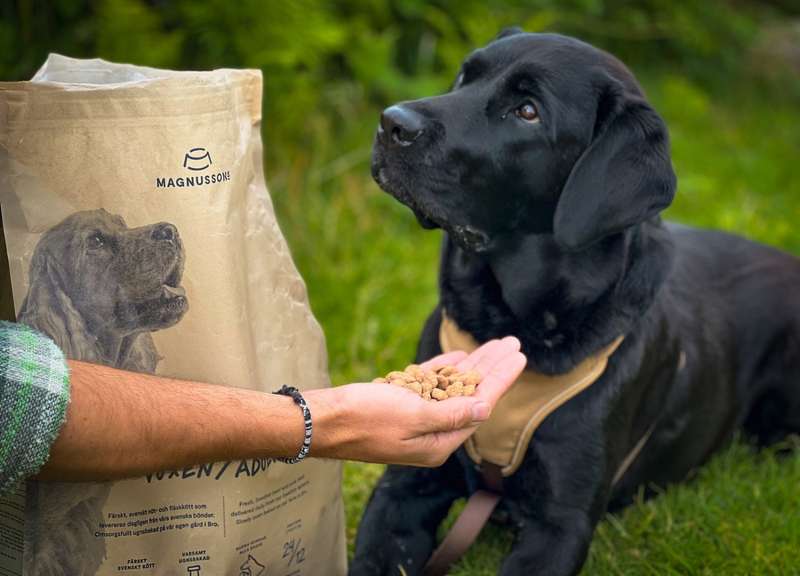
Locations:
390 424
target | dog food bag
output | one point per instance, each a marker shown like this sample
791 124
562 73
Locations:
140 235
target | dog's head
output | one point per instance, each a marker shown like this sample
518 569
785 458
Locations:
540 134
116 278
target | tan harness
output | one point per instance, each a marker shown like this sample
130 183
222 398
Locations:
499 445
503 439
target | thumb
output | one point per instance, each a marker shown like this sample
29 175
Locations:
458 413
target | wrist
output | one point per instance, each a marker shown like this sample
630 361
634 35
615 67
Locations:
329 418
308 427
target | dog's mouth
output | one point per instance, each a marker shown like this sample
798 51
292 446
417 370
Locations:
172 293
468 237
171 287
471 238
425 221
424 216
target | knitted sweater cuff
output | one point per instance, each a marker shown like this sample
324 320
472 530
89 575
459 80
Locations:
34 392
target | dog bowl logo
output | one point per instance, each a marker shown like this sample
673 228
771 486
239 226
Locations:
197 159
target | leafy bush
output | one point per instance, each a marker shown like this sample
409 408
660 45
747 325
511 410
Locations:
325 61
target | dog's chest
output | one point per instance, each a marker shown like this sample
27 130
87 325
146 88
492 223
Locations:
503 439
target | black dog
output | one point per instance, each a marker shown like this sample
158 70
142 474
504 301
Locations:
547 169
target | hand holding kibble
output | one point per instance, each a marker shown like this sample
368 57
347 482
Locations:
439 384
383 422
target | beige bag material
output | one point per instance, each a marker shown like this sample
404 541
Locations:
140 234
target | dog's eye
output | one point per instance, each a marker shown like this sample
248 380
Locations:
527 112
96 241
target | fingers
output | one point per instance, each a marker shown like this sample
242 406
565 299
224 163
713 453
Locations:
444 359
436 448
485 357
500 377
500 363
455 414
482 359
446 425
462 412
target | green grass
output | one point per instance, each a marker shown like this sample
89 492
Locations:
371 273
741 515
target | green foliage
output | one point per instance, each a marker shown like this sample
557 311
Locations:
320 56
331 66
126 30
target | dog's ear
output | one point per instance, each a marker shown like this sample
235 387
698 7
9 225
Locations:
511 31
624 177
48 308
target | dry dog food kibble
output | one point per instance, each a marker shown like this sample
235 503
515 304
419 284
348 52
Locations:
440 384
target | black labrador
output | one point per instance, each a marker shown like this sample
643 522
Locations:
547 169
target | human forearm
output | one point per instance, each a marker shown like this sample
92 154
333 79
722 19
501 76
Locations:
122 424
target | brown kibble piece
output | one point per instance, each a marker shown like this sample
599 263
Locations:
397 375
455 390
472 378
415 386
415 370
380 380
439 384
447 370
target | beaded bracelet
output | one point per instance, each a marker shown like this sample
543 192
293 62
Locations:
300 401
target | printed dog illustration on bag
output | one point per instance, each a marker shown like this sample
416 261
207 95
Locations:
98 288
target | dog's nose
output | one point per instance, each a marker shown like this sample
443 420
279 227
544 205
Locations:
402 124
164 231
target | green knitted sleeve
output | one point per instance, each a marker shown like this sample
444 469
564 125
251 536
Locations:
34 391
